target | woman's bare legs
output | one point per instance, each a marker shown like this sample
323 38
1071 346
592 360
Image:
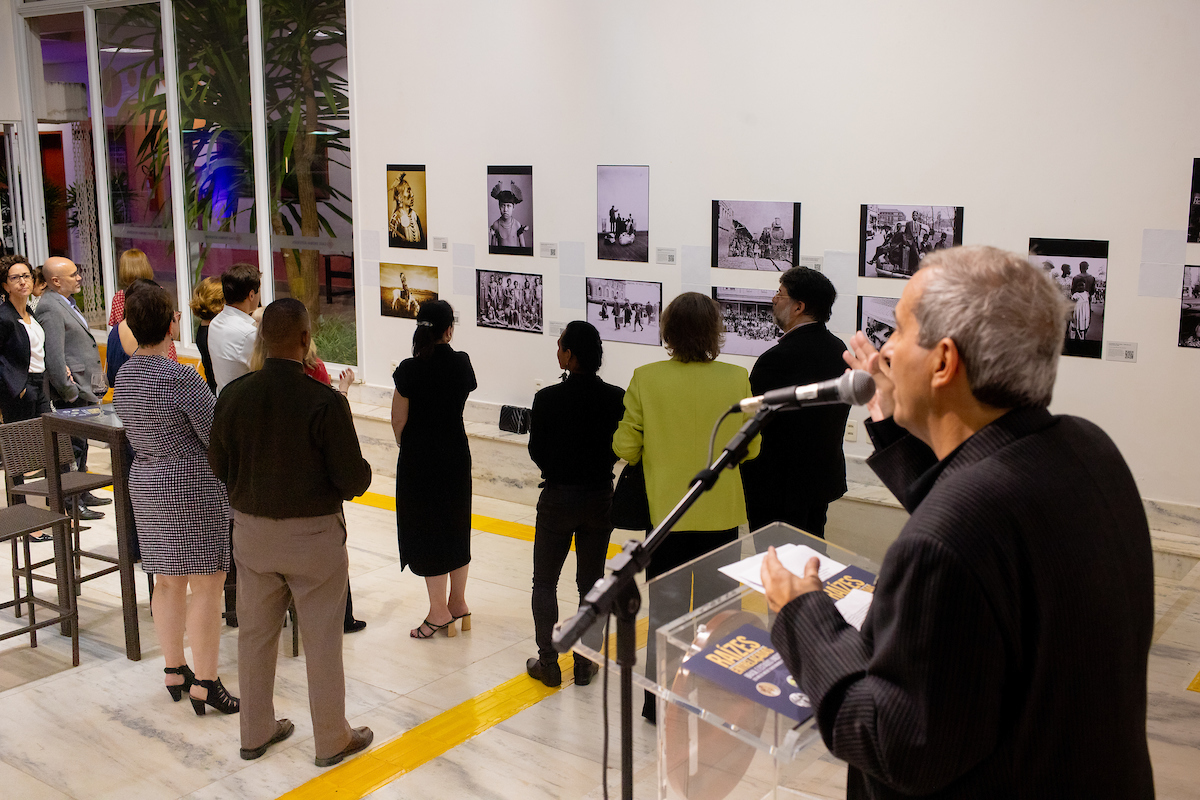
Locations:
439 614
204 627
457 605
170 610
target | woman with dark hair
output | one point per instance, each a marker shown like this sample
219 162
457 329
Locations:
570 439
181 509
433 473
670 409
121 342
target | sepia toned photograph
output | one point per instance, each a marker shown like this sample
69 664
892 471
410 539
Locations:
1189 308
625 311
510 210
403 287
877 318
748 234
1079 267
623 213
509 301
750 328
1193 235
892 240
407 220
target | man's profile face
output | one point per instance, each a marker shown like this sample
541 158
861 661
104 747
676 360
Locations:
910 366
67 278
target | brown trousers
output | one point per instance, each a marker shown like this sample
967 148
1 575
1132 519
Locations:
303 558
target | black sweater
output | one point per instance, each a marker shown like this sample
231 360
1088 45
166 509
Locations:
571 431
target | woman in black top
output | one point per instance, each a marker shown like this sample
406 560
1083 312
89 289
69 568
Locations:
207 302
570 439
433 473
22 347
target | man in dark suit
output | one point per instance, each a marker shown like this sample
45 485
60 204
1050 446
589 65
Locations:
72 358
801 468
1005 651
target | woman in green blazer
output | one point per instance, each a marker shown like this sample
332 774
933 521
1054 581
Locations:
670 408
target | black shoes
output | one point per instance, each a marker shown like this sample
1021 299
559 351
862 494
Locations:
650 709
218 697
189 678
283 729
85 512
584 671
360 739
548 673
89 499
353 626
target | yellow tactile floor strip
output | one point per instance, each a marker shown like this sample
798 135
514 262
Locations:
1195 684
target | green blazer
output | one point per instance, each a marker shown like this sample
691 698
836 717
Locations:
670 409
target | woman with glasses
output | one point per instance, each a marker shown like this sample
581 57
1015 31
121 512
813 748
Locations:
22 345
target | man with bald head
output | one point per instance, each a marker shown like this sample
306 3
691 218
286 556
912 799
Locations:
284 444
72 359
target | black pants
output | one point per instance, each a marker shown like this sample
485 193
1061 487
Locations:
692 587
31 405
563 513
808 517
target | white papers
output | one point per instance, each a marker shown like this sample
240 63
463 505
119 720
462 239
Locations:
793 556
854 607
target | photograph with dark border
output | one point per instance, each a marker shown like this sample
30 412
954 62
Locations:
510 211
508 301
408 221
1194 208
623 213
1079 267
1189 308
754 234
625 311
893 239
877 318
403 287
750 328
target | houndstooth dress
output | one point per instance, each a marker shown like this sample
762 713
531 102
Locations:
181 509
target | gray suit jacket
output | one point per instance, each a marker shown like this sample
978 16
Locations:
69 343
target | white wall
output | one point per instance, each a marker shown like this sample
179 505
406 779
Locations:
10 101
1048 119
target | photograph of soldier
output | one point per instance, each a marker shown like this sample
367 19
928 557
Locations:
748 234
625 311
403 287
510 301
1194 209
1080 269
750 328
623 213
1189 309
407 222
893 239
510 210
877 318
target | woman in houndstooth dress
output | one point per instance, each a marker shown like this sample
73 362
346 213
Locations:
181 509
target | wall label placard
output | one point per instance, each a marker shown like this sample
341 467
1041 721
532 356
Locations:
665 255
441 244
548 249
555 328
1122 351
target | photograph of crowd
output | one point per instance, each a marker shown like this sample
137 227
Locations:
892 240
749 234
625 311
750 327
1194 210
510 301
1080 269
510 210
877 318
403 287
407 221
623 213
1189 309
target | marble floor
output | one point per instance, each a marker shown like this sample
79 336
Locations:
106 729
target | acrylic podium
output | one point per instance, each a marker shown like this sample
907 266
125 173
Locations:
714 742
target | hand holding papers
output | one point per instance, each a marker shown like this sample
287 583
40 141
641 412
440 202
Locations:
784 573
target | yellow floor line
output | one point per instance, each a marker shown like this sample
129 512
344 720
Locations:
387 762
1195 684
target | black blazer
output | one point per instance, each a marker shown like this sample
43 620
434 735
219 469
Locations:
1005 651
801 461
14 352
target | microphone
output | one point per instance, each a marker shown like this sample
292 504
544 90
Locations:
854 388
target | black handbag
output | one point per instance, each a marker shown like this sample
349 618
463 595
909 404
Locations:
514 419
630 506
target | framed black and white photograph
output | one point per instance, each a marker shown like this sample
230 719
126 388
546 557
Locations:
407 219
877 318
892 240
403 287
623 213
510 210
625 311
750 234
1080 268
1189 308
510 301
750 328
1194 208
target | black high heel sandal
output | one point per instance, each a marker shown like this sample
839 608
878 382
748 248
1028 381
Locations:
189 678
218 697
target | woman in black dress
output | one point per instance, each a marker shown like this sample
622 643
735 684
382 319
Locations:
433 473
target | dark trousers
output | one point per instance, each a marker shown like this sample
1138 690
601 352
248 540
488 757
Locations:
691 587
563 513
31 405
808 517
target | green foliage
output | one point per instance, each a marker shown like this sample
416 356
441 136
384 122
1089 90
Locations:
336 339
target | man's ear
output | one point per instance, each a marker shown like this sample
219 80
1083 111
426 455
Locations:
305 338
948 363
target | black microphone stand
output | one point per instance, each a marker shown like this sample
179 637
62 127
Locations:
617 593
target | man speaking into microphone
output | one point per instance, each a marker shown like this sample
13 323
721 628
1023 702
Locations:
1004 654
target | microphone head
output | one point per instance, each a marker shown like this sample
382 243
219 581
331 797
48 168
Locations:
856 387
